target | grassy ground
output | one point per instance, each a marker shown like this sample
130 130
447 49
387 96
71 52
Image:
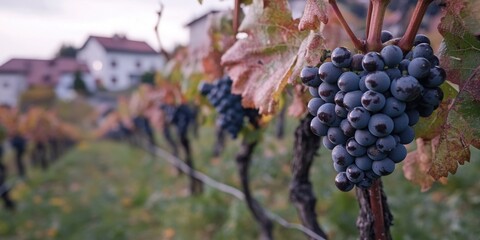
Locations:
106 190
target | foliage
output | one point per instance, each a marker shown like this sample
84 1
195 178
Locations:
67 51
148 78
79 84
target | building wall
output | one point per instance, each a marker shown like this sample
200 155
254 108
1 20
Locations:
117 70
198 38
11 86
64 89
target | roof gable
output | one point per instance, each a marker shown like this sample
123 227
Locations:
119 43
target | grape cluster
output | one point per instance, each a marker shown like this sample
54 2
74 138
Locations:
366 106
229 106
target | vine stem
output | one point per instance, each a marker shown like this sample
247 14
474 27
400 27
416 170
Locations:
356 42
406 42
369 19
374 42
377 210
236 16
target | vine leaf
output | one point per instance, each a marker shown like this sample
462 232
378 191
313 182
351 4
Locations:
270 57
314 13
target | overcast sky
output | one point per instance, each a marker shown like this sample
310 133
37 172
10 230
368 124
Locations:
37 28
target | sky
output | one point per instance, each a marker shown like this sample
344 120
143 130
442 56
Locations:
37 28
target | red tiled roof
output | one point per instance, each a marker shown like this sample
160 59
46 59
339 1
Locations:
41 71
119 43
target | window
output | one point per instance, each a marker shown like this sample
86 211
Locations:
113 63
114 80
138 64
5 85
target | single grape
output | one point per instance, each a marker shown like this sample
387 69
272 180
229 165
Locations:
348 81
373 101
383 167
421 38
359 117
380 125
365 183
347 128
408 56
364 162
354 148
432 96
407 135
364 137
435 78
313 105
377 81
371 175
354 174
419 67
313 92
205 88
342 182
327 144
372 61
413 117
423 50
425 110
393 73
329 73
386 36
341 112
356 64
375 154
434 61
336 136
361 84
341 57
393 107
327 91
309 76
341 157
400 123
392 55
386 144
318 128
326 113
339 98
398 153
339 168
403 66
352 99
406 88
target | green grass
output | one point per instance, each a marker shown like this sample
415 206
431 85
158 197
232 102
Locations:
106 190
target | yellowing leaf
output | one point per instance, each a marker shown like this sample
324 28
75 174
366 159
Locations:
315 12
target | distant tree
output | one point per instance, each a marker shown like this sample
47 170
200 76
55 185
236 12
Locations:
148 78
78 84
67 51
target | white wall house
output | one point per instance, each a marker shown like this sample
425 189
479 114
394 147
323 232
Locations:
12 84
117 63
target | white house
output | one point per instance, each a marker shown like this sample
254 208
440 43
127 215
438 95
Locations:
117 63
18 74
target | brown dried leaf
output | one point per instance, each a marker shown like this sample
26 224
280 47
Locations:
417 164
314 13
262 64
300 100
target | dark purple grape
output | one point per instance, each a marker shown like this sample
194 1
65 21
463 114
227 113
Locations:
348 81
365 183
386 144
309 76
373 101
339 168
341 157
435 78
407 135
361 84
354 148
329 73
352 99
354 174
364 162
347 128
421 38
380 125
318 128
327 91
386 36
342 182
393 73
400 123
413 117
364 137
422 50
375 154
372 61
393 107
434 61
327 144
419 67
326 113
431 96
359 117
313 105
313 92
356 64
383 167
392 55
403 66
341 112
341 57
425 110
336 136
406 88
377 81
339 98
398 153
